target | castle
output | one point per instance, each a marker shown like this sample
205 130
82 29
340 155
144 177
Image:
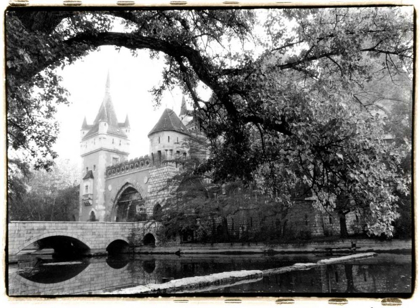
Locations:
116 189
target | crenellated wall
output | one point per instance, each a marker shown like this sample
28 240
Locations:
128 166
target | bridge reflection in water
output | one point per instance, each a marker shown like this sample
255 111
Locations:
387 273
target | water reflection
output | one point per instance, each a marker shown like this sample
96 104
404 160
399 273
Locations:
370 276
118 262
386 273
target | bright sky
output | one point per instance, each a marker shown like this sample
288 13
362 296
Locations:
131 79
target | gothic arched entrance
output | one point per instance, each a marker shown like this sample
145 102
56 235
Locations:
128 204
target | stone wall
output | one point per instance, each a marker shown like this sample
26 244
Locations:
159 189
300 221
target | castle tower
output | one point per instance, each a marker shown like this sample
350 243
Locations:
102 144
168 138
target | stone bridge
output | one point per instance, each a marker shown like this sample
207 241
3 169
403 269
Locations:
86 238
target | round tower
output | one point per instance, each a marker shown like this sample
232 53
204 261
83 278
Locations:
168 138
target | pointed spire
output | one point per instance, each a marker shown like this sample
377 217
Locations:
108 83
85 125
106 112
183 107
126 122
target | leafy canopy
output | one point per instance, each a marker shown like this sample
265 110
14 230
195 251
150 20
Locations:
291 107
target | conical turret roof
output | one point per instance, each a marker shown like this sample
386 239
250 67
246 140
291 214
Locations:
106 114
169 121
85 125
126 123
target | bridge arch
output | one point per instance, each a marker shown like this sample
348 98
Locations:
118 246
127 200
61 243
149 240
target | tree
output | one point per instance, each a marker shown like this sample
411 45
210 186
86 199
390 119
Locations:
45 196
286 109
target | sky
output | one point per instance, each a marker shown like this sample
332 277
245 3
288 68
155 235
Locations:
131 80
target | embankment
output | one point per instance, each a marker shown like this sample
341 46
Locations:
343 245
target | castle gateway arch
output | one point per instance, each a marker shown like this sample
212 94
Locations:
128 204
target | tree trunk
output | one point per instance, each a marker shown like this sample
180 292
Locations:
343 225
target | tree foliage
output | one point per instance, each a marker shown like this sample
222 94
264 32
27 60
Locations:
289 108
44 196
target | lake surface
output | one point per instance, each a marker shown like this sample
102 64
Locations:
45 275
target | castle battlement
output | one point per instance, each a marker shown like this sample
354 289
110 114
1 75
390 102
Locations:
141 163
138 163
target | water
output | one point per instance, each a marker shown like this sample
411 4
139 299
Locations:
386 273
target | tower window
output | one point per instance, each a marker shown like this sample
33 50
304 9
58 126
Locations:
177 139
112 140
120 142
94 167
159 140
86 189
169 139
